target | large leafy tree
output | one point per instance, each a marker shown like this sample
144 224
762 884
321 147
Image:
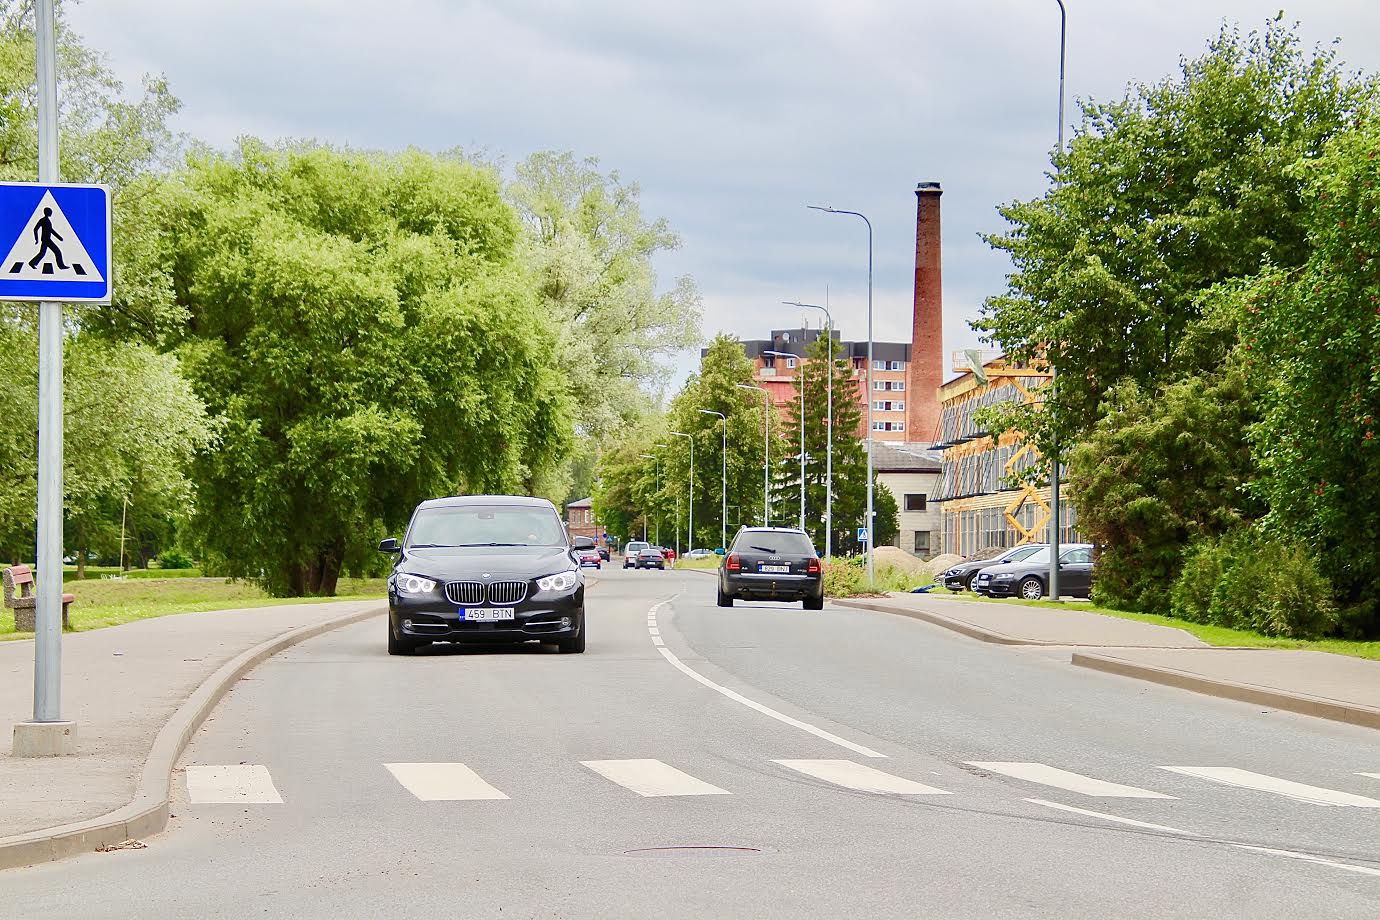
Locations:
365 331
1178 187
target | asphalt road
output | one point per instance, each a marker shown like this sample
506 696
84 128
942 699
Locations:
531 784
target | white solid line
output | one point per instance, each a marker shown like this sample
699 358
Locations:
442 782
767 710
1371 775
1107 817
1308 857
652 778
232 784
1062 779
859 776
1302 792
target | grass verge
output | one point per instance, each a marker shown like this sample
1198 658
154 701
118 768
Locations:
1212 635
108 602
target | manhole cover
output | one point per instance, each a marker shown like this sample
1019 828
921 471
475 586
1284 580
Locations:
693 851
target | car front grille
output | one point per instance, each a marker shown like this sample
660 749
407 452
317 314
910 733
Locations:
465 592
507 592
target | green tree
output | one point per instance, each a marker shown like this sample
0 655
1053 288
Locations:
1159 470
1178 187
1314 336
363 326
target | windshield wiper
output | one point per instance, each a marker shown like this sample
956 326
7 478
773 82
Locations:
762 549
493 544
430 545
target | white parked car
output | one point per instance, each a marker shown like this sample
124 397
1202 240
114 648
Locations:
631 550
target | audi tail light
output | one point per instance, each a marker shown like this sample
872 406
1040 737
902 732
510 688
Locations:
733 563
812 567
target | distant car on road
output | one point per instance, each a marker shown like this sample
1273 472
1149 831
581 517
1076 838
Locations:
771 564
651 558
604 553
960 577
631 550
699 553
1029 578
484 568
589 557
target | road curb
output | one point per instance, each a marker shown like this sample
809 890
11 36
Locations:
958 626
1303 704
147 813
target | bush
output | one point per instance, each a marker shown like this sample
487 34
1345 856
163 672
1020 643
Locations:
175 558
1251 581
847 577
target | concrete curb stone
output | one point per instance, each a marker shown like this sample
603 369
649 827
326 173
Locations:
147 813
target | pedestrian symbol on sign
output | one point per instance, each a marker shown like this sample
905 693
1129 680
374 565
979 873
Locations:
862 534
37 255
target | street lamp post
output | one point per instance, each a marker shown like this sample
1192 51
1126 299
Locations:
871 581
829 448
723 512
690 510
656 460
801 371
766 450
1055 512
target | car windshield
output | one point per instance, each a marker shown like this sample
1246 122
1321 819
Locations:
1039 555
764 541
1023 553
486 525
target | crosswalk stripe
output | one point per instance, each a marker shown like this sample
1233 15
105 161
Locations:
1046 775
1309 857
858 776
1106 817
231 784
443 782
1245 779
652 778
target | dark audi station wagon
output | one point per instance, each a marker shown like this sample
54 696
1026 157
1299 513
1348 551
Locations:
772 564
485 568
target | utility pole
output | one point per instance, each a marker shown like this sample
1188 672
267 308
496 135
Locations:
1055 511
723 512
657 460
690 509
766 450
829 426
800 373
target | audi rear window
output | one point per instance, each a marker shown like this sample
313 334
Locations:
779 544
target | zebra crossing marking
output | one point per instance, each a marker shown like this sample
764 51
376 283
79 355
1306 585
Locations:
1046 775
651 778
1260 782
231 784
443 782
859 777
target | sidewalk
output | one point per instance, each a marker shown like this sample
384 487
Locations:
1336 687
126 686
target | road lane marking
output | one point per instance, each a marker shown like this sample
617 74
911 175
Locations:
653 631
231 784
752 704
1302 792
1371 775
1106 817
1046 775
1308 857
656 640
443 782
652 778
859 776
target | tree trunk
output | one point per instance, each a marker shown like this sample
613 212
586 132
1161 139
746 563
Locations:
81 558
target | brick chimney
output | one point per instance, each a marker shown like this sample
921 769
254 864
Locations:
927 331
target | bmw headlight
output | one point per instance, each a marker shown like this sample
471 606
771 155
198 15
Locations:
413 584
561 581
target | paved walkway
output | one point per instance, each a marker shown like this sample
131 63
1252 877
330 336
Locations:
122 685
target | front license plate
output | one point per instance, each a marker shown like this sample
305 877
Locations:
485 614
775 569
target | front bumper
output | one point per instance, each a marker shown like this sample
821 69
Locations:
955 582
751 586
435 619
1000 588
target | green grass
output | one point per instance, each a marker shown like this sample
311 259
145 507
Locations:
1209 633
109 602
711 563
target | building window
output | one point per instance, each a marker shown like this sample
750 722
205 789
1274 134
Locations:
879 426
878 365
859 363
879 384
899 385
916 502
922 542
899 405
895 365
589 517
790 362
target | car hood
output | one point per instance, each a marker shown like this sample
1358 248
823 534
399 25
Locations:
1016 568
452 563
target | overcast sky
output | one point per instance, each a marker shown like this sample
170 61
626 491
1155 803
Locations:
731 115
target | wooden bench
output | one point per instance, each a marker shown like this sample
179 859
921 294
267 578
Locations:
19 597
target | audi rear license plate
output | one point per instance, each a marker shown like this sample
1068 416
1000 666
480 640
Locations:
774 569
486 614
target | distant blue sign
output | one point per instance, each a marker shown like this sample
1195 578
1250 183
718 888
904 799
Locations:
57 242
862 534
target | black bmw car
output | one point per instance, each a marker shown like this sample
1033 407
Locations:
484 568
772 564
960 576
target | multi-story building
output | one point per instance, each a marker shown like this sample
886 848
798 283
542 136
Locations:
579 519
911 473
984 503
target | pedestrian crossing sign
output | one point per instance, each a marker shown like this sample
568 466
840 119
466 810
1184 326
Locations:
57 242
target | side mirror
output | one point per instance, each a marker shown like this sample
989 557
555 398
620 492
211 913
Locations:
391 545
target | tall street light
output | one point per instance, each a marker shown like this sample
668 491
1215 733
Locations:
829 448
657 460
800 371
723 512
690 524
766 450
871 581
1055 512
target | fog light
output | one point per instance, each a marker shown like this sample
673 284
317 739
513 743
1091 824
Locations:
565 622
407 624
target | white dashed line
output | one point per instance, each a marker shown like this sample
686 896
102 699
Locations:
1106 817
